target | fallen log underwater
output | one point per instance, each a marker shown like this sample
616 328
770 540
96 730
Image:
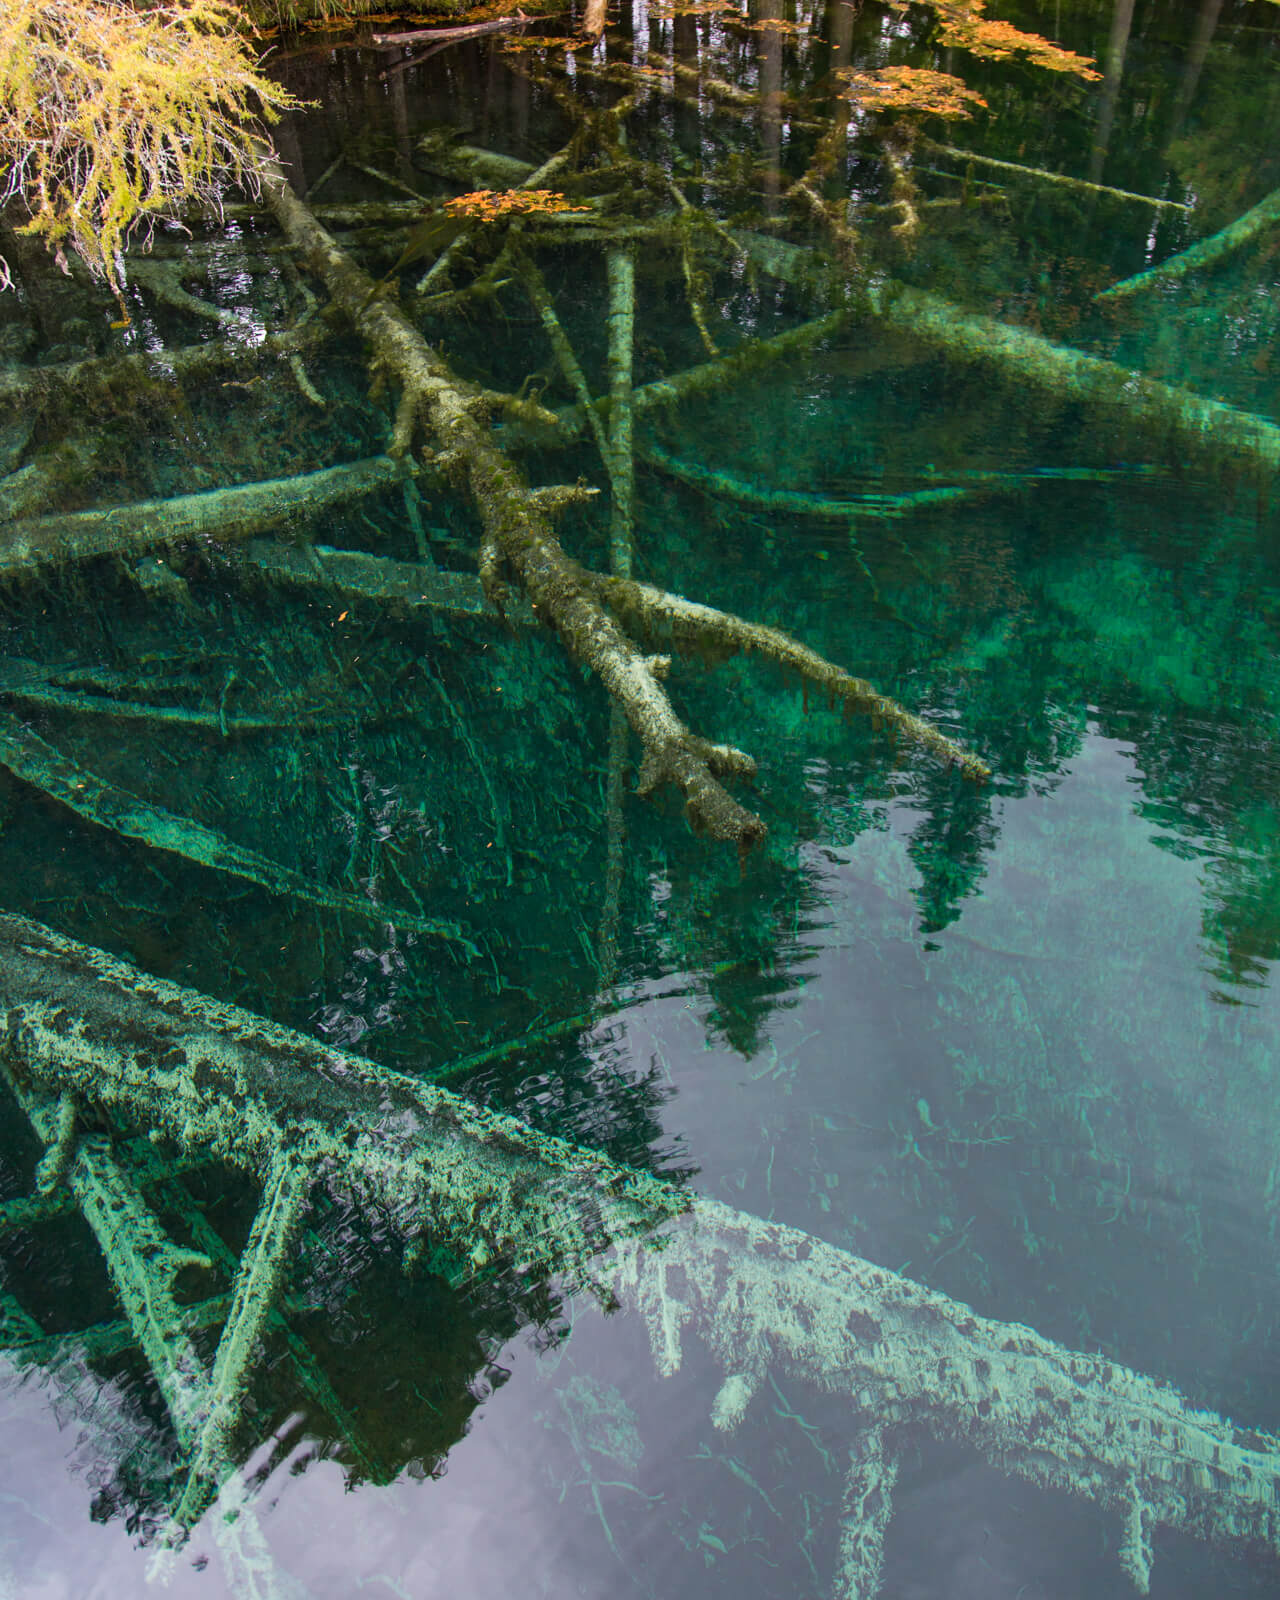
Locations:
517 535
85 1031
238 512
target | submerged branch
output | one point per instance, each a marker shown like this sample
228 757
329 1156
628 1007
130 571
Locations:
1266 214
407 586
29 757
1043 175
1237 443
129 370
698 629
517 533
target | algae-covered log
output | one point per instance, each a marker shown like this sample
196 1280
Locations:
31 758
216 515
1207 431
516 526
133 370
1266 214
407 586
761 1297
1188 427
518 535
769 1299
216 1078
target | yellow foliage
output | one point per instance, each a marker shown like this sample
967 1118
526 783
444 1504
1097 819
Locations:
911 89
487 205
962 23
111 115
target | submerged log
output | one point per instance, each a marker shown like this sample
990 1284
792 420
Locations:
216 516
407 586
767 1298
518 533
761 1297
1266 214
213 1077
128 370
30 758
1234 443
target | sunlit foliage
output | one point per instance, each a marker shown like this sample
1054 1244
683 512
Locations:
110 116
917 89
487 205
961 23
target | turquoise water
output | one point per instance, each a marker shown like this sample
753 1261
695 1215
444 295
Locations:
1016 1042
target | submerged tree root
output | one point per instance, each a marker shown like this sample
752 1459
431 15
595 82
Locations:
761 1297
517 534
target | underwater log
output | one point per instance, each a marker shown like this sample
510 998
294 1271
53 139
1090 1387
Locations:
1236 443
764 1297
1266 214
215 515
212 1077
516 526
760 1296
131 369
32 759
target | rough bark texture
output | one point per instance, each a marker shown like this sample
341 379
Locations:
215 1078
515 525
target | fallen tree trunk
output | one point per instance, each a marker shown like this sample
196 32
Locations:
760 1296
1235 443
517 531
767 1298
104 374
212 1077
217 516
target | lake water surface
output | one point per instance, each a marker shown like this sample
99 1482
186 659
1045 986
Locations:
1015 1041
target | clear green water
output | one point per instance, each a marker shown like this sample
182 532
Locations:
1018 1042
